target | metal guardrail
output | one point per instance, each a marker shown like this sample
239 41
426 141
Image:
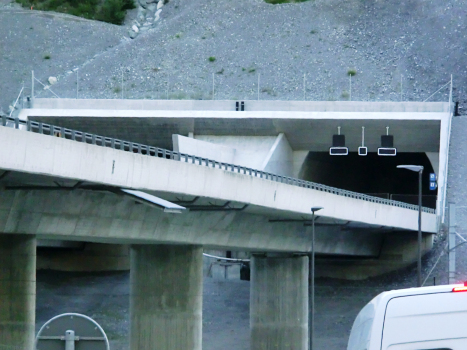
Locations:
79 136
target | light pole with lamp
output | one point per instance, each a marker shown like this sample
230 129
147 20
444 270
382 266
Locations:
419 169
311 276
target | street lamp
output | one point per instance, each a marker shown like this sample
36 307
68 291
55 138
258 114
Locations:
311 276
419 169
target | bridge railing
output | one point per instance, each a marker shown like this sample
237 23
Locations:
79 136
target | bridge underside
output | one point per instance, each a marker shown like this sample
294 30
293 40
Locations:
57 208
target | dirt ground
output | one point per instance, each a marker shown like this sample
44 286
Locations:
105 297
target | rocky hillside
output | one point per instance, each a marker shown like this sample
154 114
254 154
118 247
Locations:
419 43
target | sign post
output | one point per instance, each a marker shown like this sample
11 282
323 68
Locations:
71 331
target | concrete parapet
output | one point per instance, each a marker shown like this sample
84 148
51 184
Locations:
279 303
166 297
17 291
250 105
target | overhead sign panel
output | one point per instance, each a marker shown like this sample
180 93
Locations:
387 146
338 146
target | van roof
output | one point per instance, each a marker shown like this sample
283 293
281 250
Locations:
421 290
384 297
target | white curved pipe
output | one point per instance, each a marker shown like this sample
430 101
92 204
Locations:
224 258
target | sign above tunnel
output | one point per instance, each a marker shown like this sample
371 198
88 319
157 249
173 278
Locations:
387 146
338 145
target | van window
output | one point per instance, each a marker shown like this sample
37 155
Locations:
361 329
426 322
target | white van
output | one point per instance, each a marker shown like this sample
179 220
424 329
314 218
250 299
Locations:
427 318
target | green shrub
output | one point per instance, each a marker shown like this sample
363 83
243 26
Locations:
111 11
47 57
211 59
351 72
128 5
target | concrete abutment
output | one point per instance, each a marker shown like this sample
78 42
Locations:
279 302
17 291
166 287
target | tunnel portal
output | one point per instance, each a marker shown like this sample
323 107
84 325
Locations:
372 174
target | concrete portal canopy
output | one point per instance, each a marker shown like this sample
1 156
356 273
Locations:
307 125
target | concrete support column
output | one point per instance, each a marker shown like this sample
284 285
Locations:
166 291
279 303
17 291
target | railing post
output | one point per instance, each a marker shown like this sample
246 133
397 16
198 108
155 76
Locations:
16 123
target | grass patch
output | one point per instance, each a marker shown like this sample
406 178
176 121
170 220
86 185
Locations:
211 59
117 89
178 96
276 2
351 72
269 91
111 11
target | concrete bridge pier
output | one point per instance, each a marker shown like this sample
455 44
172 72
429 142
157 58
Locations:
17 291
279 302
166 291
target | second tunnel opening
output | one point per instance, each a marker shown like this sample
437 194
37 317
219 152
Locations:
372 174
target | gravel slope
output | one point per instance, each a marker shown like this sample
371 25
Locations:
422 40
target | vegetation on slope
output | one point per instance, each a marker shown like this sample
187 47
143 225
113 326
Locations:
111 11
275 2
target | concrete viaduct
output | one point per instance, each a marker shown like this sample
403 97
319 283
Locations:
58 183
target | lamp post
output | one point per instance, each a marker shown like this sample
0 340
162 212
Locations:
419 169
311 276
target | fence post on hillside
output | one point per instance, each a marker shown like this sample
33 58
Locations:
452 243
77 83
32 88
258 84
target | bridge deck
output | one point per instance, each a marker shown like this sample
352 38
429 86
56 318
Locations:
171 175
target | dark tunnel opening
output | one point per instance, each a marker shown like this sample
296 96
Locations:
372 174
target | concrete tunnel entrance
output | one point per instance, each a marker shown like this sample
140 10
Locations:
372 174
